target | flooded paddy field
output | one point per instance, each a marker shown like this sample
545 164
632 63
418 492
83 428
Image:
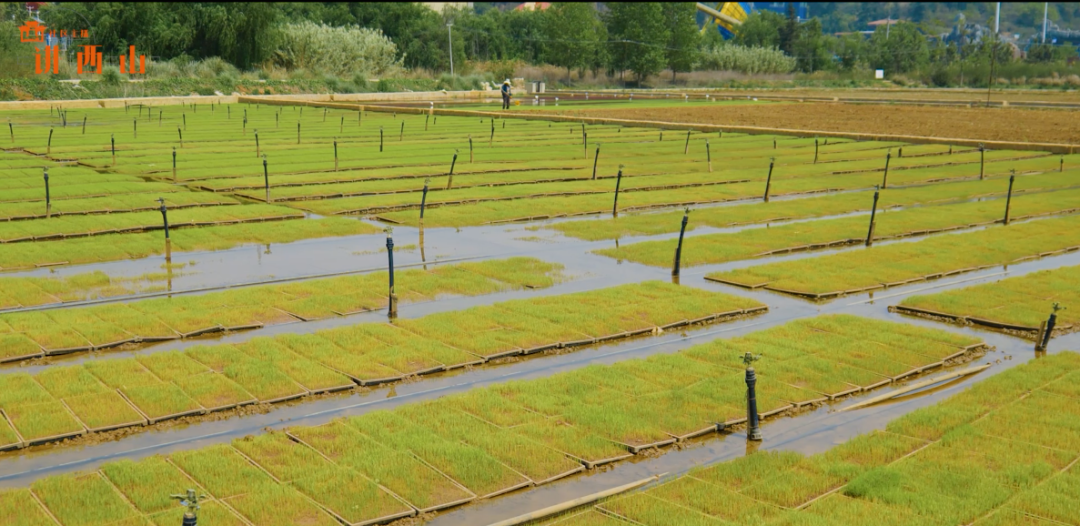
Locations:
569 311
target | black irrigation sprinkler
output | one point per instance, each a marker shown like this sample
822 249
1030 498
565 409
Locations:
266 179
392 311
244 127
184 117
1061 164
341 126
423 199
165 221
450 180
11 130
873 214
335 156
158 117
470 148
661 136
48 200
112 141
491 139
900 152
323 114
753 431
257 151
191 502
618 182
380 138
48 146
885 178
982 161
596 159
401 134
174 164
426 119
768 179
774 143
585 144
1008 198
277 119
686 148
815 149
180 134
297 132
1046 331
678 248
708 155
84 125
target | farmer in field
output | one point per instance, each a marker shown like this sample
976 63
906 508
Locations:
506 94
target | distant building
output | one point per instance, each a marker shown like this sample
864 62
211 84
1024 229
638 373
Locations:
533 6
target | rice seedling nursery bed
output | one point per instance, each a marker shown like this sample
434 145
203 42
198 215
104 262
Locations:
488 441
1017 304
1003 452
896 264
201 379
918 221
62 331
809 207
237 174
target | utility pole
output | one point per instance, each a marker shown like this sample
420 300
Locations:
450 39
1046 12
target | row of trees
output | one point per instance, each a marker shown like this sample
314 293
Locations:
643 38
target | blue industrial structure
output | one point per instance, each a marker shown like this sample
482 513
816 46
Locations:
727 16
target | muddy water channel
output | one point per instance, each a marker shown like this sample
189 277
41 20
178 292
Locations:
808 432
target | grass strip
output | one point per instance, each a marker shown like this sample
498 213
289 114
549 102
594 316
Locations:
901 263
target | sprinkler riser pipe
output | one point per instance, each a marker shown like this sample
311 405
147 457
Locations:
1008 199
768 182
423 201
753 432
596 159
1049 330
266 180
678 248
885 179
873 213
615 205
390 260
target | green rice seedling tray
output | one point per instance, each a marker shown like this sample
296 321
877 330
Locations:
9 436
426 489
922 260
63 496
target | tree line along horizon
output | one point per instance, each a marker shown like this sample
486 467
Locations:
642 39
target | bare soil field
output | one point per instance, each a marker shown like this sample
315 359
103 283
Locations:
923 94
1046 126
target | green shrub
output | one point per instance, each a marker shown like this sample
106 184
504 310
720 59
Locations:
336 50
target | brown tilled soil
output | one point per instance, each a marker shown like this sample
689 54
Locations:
917 94
993 124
